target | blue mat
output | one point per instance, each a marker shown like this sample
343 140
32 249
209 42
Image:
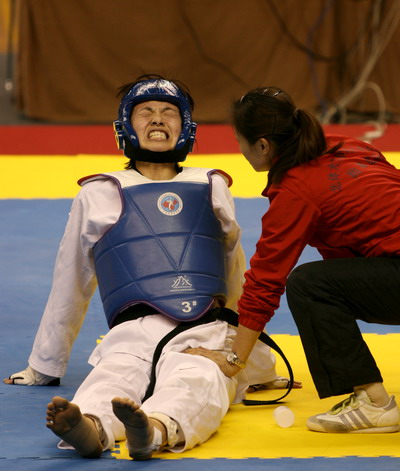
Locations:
31 232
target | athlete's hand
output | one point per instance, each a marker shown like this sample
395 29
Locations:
31 377
217 357
280 382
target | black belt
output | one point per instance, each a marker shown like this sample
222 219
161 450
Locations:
135 312
231 318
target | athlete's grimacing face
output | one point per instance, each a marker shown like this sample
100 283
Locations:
157 124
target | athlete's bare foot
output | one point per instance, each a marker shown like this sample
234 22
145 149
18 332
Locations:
139 429
66 421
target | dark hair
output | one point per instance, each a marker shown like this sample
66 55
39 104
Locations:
270 113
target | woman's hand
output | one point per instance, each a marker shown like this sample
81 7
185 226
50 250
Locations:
217 357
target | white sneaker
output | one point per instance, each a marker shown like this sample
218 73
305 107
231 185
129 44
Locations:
356 414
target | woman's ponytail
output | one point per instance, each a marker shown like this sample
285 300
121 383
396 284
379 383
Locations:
270 113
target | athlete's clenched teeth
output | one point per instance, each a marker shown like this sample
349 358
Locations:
158 135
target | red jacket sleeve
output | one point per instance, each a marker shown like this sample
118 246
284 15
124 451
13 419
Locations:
287 227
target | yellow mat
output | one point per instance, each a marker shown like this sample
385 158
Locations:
246 431
56 176
250 432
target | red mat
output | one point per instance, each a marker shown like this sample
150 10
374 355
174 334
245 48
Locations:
99 139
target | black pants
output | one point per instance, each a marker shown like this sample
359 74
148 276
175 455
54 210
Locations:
326 298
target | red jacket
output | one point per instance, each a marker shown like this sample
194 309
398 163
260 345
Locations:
345 204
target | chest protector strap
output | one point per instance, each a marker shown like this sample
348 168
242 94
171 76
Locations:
166 251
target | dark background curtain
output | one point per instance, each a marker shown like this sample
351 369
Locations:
339 59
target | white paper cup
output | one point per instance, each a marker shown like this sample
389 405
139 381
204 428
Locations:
283 416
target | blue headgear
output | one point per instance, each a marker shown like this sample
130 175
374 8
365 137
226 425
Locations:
154 90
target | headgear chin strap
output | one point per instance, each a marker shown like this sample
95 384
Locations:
154 90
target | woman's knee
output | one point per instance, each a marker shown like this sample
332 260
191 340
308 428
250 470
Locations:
306 282
299 279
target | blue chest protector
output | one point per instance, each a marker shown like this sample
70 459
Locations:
166 251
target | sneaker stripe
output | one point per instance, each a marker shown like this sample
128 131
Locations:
364 418
356 423
351 421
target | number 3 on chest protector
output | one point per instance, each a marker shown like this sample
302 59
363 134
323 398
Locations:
187 305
